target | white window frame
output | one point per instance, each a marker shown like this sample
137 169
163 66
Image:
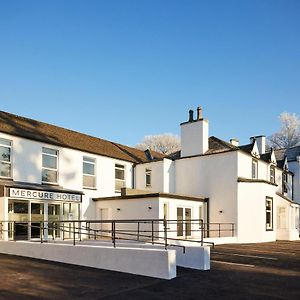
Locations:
10 146
269 211
84 161
254 163
272 178
51 169
148 174
119 166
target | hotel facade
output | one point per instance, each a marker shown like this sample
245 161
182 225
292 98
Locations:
49 173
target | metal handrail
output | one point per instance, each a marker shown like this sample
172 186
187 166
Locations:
150 235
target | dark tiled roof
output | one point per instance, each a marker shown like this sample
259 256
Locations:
50 134
247 148
215 146
266 157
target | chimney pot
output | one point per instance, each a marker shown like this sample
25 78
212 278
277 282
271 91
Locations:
191 115
199 113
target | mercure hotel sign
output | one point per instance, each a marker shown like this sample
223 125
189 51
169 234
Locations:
43 195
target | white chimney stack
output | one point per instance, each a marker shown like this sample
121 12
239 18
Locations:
234 142
194 135
261 143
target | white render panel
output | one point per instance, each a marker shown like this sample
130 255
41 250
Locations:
194 138
212 176
148 262
27 167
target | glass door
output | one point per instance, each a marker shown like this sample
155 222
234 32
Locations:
37 216
184 225
54 215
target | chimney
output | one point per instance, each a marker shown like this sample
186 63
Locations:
234 142
191 115
199 113
194 135
261 143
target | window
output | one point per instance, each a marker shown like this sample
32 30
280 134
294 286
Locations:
284 182
119 177
50 165
148 177
269 213
272 174
89 174
5 158
254 169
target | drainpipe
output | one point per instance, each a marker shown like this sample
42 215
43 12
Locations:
207 215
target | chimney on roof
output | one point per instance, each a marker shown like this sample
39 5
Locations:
261 143
199 113
234 142
191 115
194 135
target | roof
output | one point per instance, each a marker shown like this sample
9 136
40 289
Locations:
215 145
292 153
55 135
151 195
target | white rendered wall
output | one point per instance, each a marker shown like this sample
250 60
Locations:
148 262
27 167
252 212
157 176
194 138
213 176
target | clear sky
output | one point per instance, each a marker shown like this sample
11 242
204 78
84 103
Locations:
124 69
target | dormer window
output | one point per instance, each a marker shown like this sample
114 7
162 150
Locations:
254 169
272 174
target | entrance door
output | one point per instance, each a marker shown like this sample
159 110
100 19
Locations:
54 215
37 216
184 225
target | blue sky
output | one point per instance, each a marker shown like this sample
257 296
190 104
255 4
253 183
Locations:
124 69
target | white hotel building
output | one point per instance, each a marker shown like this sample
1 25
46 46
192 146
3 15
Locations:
49 173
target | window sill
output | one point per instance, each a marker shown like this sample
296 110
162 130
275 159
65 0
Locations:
49 183
90 188
7 178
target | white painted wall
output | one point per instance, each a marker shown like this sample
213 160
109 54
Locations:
27 167
194 138
148 262
213 176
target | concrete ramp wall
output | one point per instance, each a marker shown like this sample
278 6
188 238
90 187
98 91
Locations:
159 263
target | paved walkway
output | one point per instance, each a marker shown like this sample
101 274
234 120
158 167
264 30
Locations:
248 271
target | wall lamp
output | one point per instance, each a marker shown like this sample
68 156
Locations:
220 211
149 207
118 209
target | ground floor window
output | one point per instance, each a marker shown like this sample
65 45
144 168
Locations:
184 225
269 213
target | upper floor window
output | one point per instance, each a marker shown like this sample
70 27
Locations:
89 172
272 174
119 177
254 169
50 165
5 158
284 182
148 177
269 213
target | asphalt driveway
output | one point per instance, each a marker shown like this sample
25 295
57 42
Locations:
244 271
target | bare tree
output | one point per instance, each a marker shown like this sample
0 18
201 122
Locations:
166 143
289 133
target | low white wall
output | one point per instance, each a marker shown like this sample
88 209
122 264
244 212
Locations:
194 257
148 262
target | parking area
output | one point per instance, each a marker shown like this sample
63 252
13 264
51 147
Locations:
238 271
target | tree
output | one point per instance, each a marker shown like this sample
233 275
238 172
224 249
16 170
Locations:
166 143
289 133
